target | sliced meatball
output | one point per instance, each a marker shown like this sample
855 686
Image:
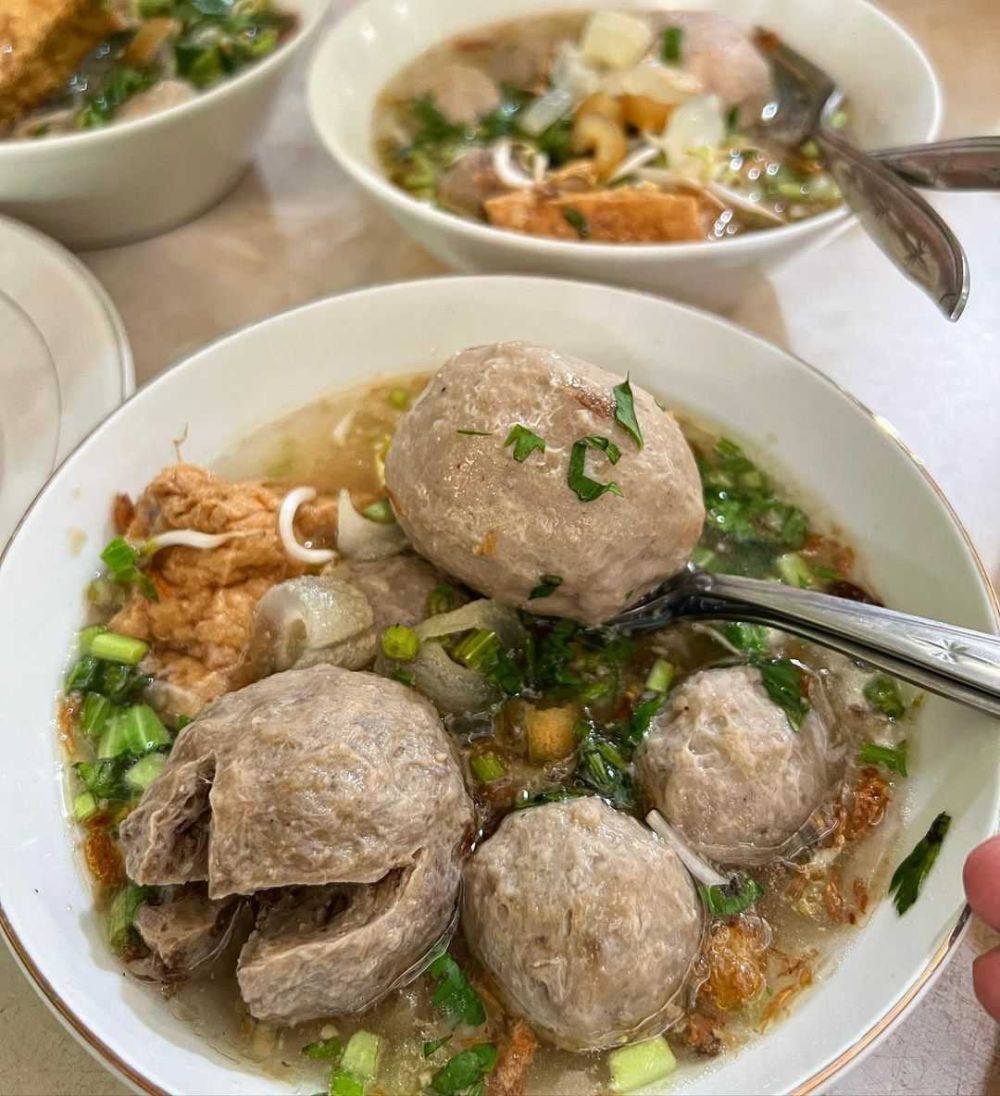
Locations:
587 922
500 524
470 183
462 93
723 764
184 931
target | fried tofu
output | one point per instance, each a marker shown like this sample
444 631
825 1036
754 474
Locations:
42 43
622 215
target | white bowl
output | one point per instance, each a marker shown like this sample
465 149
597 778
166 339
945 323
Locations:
894 94
139 178
909 542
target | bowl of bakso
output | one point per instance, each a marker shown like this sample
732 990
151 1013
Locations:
120 119
625 143
324 770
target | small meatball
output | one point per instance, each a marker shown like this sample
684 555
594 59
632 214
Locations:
397 588
587 922
463 94
723 764
499 524
469 184
162 96
720 53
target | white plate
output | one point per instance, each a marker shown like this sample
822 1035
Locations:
794 419
64 362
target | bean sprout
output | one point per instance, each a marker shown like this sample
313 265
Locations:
286 529
642 156
192 538
699 868
506 170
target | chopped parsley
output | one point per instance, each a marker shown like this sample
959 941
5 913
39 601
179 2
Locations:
783 682
546 587
463 1072
882 693
454 996
324 1050
889 757
734 897
587 489
751 638
670 45
625 411
909 877
525 442
602 767
576 220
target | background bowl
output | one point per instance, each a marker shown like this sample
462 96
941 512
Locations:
792 418
139 178
894 96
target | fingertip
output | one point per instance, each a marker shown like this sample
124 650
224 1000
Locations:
981 877
986 982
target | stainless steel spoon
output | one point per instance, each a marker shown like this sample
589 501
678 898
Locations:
953 662
903 225
966 163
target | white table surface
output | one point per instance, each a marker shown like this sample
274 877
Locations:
295 229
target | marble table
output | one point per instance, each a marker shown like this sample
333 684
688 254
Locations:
295 229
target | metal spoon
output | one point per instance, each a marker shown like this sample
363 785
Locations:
953 662
903 225
966 163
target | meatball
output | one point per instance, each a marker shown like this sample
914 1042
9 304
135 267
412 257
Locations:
462 93
723 764
586 920
500 524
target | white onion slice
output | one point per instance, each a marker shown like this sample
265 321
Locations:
286 529
699 868
696 124
359 538
506 170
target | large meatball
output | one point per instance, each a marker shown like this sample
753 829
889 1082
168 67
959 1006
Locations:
723 764
500 524
586 920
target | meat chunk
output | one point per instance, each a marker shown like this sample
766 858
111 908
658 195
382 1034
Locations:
160 97
724 765
339 791
42 42
499 524
621 215
200 625
469 183
587 922
397 588
184 931
462 93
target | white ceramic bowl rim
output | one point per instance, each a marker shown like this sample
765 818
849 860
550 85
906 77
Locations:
396 196
823 1073
307 20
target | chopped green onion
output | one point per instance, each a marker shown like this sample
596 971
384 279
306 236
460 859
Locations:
432 1046
809 149
87 636
143 730
84 806
324 1050
576 220
883 694
361 1055
909 877
889 757
660 676
122 561
454 996
585 488
120 683
400 643
145 771
84 674
732 118
478 650
670 49
94 714
442 599
703 557
400 399
380 511
114 742
783 683
641 1064
121 914
547 586
734 897
487 767
345 1084
625 411
112 647
103 778
525 442
464 1070
795 571
404 677
838 120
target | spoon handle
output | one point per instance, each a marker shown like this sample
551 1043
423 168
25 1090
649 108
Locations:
903 225
954 662
968 163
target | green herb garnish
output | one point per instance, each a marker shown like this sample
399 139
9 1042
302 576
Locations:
909 877
399 399
324 1050
751 638
602 766
732 118
525 442
546 587
670 47
380 511
122 562
121 914
454 996
576 220
432 1046
400 643
882 693
783 682
889 757
442 599
465 1070
734 897
487 767
625 411
587 489
476 433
